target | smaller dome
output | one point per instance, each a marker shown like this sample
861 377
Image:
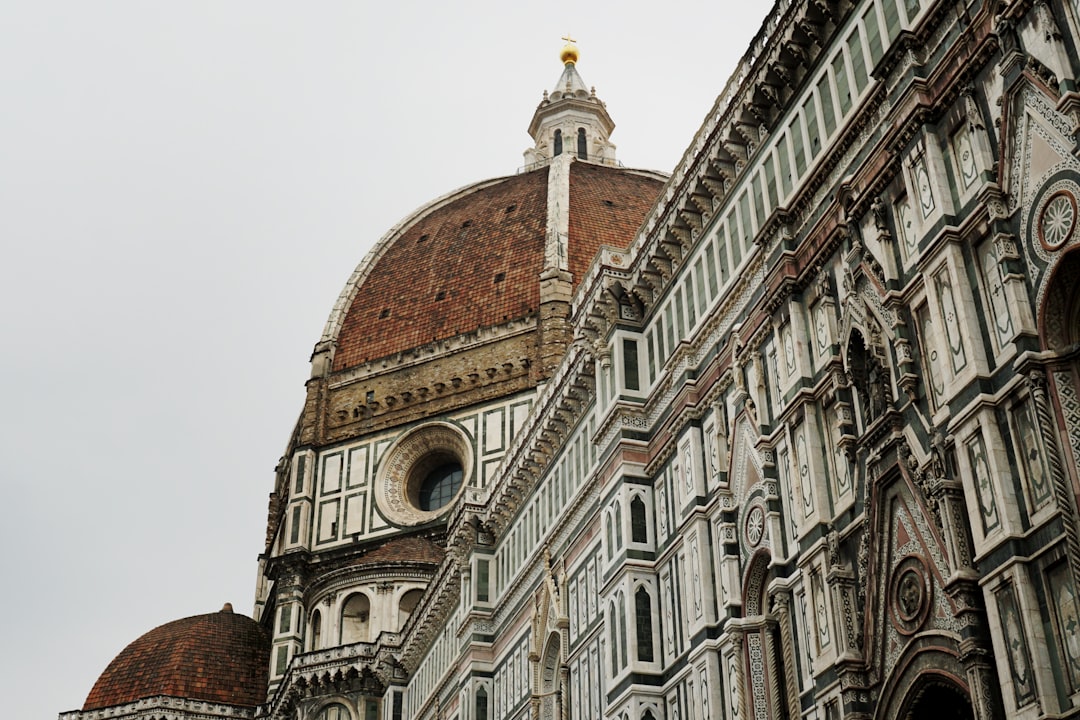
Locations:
221 657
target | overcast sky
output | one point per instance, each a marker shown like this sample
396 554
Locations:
184 189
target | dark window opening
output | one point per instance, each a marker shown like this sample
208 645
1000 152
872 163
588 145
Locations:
609 203
384 314
422 238
639 530
467 223
286 620
643 608
481 704
300 469
482 581
630 364
582 147
614 636
294 531
511 208
440 486
558 143
440 295
622 630
499 277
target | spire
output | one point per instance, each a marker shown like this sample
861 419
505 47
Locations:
571 119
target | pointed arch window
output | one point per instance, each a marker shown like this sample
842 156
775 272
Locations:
481 703
643 621
614 638
639 529
607 530
618 524
582 146
558 143
622 627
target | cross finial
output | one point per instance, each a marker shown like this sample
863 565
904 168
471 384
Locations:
569 54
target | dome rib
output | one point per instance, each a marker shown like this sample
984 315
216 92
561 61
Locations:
473 259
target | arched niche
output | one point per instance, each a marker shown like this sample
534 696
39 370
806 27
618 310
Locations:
1059 321
551 685
356 619
407 604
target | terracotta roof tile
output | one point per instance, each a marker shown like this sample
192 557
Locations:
221 657
607 206
476 261
438 279
410 549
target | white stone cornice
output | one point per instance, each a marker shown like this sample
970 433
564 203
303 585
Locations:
163 707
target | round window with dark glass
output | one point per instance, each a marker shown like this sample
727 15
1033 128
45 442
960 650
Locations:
440 486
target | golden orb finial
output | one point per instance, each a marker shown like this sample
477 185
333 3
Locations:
569 53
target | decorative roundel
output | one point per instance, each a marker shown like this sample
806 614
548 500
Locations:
754 526
1057 220
422 473
910 595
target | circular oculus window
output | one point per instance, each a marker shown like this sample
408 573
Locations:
422 473
1057 221
755 525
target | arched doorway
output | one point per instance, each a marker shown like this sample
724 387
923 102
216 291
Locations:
1059 328
551 695
766 679
938 699
928 681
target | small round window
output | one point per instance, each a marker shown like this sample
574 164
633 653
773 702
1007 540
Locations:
422 472
440 486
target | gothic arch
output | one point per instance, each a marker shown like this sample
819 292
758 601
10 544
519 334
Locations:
864 351
757 574
1059 319
928 674
1059 332
551 678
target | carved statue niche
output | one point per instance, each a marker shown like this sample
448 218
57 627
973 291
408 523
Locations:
869 374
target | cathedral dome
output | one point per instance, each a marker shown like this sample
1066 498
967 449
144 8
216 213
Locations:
220 657
473 258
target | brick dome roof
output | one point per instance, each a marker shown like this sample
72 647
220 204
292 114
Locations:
473 258
221 657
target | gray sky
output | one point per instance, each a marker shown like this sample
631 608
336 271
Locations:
184 189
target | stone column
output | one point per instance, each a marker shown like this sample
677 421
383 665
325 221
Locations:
1036 380
782 609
